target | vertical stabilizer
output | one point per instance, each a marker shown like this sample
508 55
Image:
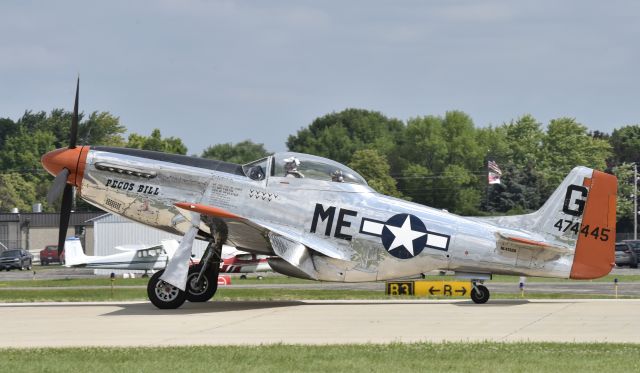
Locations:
73 253
581 215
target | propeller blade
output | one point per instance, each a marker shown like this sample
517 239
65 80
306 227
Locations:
74 121
58 186
65 215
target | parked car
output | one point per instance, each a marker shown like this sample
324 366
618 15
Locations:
628 253
623 255
49 255
634 250
16 258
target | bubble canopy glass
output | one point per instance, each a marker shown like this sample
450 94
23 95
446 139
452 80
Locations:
302 166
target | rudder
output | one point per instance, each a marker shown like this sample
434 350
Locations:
595 249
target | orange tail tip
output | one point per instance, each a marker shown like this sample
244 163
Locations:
595 249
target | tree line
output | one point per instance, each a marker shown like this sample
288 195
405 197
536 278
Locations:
439 161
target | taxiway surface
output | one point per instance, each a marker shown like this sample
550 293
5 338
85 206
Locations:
317 322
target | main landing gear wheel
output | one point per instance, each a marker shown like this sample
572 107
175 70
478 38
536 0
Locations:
206 289
164 295
479 294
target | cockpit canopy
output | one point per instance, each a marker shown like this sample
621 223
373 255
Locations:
302 166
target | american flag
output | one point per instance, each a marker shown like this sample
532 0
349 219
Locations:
494 172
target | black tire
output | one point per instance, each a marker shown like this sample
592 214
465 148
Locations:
208 287
43 263
163 295
479 294
243 277
633 263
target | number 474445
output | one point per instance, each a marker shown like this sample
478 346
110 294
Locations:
564 225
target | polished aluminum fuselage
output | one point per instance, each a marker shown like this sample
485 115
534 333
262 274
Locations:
348 217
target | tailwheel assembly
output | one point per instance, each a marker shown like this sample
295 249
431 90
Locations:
479 293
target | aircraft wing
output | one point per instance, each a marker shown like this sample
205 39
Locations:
132 247
242 231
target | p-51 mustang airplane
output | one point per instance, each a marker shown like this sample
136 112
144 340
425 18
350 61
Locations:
318 219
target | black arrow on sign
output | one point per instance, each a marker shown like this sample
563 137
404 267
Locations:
432 290
463 291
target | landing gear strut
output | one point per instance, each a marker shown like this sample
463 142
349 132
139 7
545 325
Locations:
202 279
479 293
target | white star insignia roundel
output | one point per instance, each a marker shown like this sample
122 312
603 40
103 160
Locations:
404 236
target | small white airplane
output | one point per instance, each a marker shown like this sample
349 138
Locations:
156 257
135 257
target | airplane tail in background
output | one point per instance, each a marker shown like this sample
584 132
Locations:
73 253
579 218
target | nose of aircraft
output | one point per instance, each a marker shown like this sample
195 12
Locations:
73 159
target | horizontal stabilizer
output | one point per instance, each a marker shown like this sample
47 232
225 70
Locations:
533 243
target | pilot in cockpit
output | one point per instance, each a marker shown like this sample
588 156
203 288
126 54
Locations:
337 176
291 167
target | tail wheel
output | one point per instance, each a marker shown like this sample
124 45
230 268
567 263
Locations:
164 295
206 289
479 294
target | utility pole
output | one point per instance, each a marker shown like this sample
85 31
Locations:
635 201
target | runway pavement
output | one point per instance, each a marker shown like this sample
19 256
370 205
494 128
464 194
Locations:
317 322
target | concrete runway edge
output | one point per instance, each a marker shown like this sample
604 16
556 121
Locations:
317 322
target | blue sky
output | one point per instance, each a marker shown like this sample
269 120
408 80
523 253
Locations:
224 71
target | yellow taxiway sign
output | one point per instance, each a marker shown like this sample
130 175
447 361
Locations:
424 288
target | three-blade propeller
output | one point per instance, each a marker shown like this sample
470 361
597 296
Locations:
60 185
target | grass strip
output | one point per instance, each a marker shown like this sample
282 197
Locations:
271 279
395 357
230 294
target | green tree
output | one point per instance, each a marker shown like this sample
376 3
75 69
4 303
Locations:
524 137
520 190
424 143
157 143
456 190
339 135
626 144
7 128
375 169
624 201
16 192
23 150
240 153
101 128
567 145
429 149
415 184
